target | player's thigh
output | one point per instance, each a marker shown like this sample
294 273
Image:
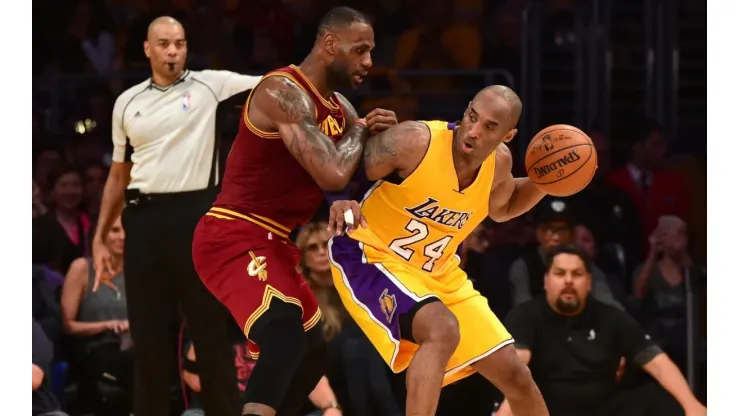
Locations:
311 314
245 268
481 332
377 295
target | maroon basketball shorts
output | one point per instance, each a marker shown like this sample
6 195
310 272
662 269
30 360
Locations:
247 262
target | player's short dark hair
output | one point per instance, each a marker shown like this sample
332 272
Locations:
567 249
341 17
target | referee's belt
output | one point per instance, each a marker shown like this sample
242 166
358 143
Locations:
136 197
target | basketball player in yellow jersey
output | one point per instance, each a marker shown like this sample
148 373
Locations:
398 274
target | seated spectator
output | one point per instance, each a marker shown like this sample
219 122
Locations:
94 176
46 312
48 157
243 365
555 221
608 210
42 351
98 323
361 369
61 236
39 208
487 271
604 269
661 287
654 190
574 343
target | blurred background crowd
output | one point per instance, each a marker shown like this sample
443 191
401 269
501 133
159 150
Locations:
605 66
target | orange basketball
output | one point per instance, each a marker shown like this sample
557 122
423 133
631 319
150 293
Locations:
561 160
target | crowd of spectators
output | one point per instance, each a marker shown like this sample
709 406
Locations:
641 223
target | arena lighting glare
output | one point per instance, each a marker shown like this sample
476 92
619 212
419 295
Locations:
85 126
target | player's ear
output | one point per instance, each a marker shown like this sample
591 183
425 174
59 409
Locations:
510 135
330 43
147 49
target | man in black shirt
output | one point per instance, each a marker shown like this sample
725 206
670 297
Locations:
573 345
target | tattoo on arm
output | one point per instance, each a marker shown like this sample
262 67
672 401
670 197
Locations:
314 150
308 144
295 105
645 356
382 147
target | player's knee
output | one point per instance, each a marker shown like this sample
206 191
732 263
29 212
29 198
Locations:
279 333
446 334
441 330
518 380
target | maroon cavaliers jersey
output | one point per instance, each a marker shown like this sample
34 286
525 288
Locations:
263 181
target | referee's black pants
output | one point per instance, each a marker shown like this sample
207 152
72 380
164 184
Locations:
160 277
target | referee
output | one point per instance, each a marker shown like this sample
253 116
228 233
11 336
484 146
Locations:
165 171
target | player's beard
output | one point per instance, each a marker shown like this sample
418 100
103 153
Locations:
338 76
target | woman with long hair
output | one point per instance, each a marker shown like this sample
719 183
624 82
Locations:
97 325
361 367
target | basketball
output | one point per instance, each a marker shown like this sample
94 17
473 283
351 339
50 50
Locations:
561 160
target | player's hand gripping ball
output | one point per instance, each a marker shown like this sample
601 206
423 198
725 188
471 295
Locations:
561 160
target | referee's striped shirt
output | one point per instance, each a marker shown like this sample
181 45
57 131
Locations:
169 133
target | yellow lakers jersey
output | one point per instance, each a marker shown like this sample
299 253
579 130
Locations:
423 220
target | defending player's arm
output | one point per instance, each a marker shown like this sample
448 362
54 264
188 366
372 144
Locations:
119 177
377 121
510 197
293 113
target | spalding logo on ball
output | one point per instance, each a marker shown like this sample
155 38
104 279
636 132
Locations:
561 160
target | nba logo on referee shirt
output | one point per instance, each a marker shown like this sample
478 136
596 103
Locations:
186 101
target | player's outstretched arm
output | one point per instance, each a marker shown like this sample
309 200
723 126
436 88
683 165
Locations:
400 148
510 197
294 114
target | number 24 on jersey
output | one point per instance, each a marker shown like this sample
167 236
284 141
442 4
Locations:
419 231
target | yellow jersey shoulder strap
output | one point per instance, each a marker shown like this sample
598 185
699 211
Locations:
438 154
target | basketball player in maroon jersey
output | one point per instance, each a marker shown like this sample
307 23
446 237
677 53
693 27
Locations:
297 139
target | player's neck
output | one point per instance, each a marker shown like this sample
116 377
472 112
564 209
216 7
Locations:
165 80
466 166
315 71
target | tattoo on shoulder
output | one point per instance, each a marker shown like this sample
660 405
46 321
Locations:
293 102
645 356
386 144
381 146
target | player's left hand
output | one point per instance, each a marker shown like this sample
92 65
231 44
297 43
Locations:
380 120
339 213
